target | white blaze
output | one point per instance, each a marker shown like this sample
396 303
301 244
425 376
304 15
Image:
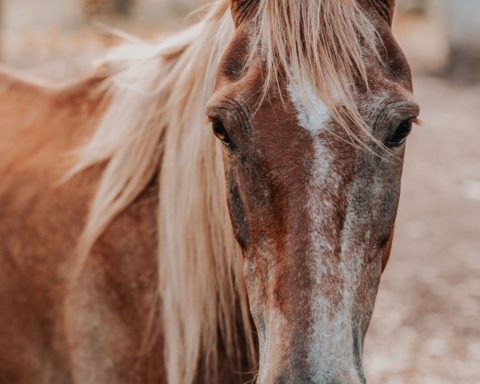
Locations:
314 116
331 344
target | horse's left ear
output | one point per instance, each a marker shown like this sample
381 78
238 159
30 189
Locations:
385 8
243 10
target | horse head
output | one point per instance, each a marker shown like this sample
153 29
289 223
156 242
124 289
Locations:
313 104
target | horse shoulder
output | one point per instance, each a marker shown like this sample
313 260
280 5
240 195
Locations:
100 332
112 313
40 220
40 126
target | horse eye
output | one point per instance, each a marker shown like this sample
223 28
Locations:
221 133
401 134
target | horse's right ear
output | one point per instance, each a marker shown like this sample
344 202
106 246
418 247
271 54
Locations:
243 10
385 8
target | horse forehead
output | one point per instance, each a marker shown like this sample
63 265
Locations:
236 55
312 113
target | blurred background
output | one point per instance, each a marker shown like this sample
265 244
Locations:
426 326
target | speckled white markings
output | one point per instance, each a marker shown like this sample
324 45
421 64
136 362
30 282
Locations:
331 343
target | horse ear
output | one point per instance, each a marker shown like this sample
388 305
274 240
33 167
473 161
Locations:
385 8
243 10
389 6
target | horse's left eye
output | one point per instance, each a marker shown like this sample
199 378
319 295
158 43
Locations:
221 133
401 134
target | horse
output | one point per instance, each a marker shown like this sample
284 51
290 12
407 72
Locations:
215 207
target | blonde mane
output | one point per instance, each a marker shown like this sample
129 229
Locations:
154 125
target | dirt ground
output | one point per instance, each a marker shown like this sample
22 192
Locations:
426 325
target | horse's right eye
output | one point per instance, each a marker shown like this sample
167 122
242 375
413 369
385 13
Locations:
401 134
221 133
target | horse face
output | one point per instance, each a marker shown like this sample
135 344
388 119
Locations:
313 214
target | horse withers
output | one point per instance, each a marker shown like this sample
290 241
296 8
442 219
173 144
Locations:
135 247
